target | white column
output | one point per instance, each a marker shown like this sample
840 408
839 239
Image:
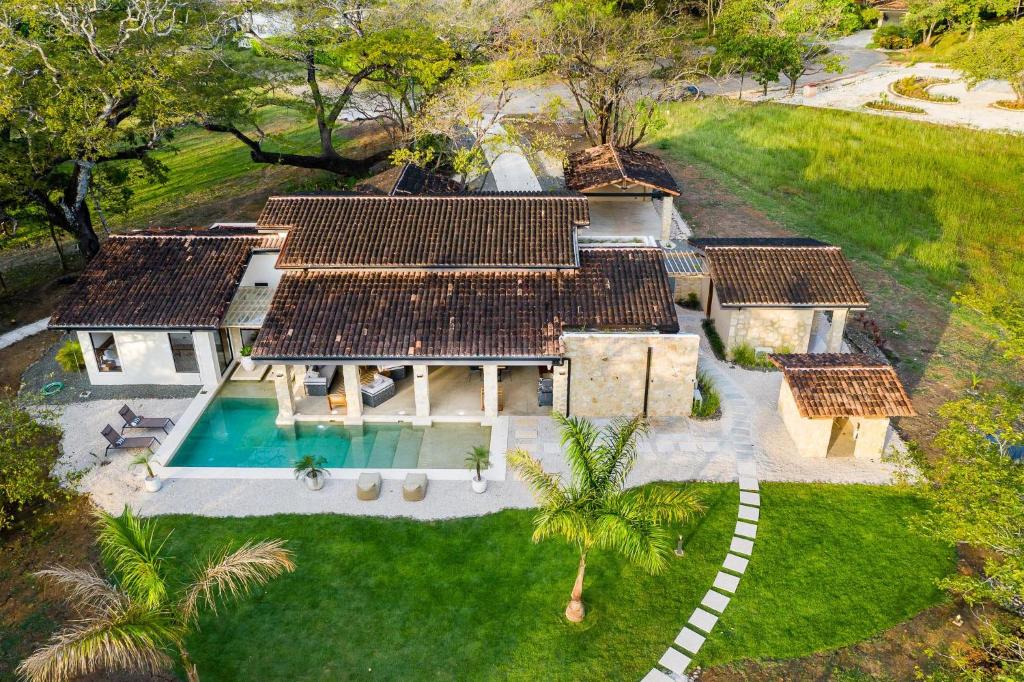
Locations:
235 337
283 389
666 217
834 340
490 390
353 397
421 389
205 345
560 388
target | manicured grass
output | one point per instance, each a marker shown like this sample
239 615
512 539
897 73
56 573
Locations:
832 564
475 599
936 206
203 166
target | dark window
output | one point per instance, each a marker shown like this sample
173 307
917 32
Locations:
105 350
183 350
223 342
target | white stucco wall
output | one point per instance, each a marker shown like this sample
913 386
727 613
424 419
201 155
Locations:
261 270
145 358
810 436
872 436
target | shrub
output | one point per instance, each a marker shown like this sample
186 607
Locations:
916 87
691 301
28 450
893 37
713 338
744 355
870 16
710 405
70 357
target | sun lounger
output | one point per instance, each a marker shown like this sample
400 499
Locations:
368 487
415 487
119 442
133 421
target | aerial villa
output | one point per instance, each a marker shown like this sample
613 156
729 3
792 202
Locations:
361 312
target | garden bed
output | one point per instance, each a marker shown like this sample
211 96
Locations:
918 87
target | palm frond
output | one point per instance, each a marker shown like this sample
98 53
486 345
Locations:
579 437
620 449
565 522
84 589
663 503
234 575
128 544
547 487
127 637
644 542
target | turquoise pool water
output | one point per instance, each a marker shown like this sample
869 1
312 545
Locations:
240 432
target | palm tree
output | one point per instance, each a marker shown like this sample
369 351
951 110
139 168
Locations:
139 617
595 509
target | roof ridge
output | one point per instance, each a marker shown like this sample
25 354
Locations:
618 162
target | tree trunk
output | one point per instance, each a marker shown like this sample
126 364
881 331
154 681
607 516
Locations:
186 662
72 205
60 249
575 611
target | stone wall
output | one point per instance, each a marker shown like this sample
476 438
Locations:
607 374
780 329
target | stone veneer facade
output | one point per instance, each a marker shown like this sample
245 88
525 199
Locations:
606 373
783 330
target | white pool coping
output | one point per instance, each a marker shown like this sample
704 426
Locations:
498 444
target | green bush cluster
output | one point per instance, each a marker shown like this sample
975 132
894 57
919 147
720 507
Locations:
744 355
28 450
713 338
70 357
710 404
894 37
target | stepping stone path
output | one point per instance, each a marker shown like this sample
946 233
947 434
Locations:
673 664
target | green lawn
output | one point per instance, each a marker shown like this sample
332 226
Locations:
474 599
936 206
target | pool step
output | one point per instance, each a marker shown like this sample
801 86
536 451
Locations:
407 452
382 455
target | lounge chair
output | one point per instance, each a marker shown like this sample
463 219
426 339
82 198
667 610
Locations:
119 442
133 421
415 487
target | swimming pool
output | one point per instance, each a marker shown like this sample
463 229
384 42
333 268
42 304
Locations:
238 431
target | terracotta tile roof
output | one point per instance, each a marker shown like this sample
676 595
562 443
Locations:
843 385
464 314
607 164
157 282
782 275
408 179
502 231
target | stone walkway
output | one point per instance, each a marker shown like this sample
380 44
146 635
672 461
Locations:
21 333
674 663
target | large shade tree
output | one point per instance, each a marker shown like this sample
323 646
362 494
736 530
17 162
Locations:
618 63
324 59
84 83
594 509
137 619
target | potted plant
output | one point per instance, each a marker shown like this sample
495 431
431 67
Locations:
246 358
152 482
312 472
478 458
